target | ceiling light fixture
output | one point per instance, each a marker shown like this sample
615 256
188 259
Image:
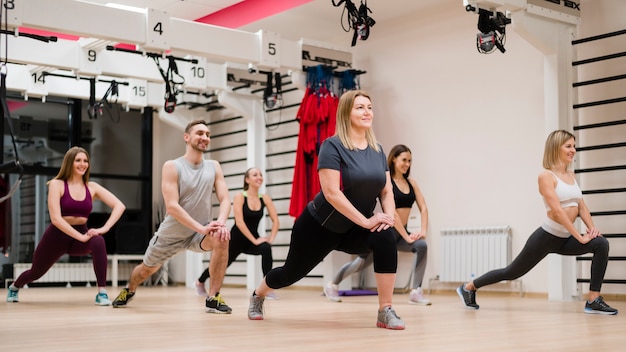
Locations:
492 27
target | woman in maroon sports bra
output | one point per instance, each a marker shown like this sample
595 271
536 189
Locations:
70 197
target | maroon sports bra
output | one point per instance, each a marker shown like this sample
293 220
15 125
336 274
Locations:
71 207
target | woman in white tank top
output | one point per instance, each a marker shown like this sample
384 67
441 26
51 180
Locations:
564 203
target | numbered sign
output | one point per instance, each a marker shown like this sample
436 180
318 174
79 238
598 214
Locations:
13 12
37 86
195 73
270 49
158 30
89 63
137 92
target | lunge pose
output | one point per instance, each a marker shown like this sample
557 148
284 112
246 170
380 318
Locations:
353 174
405 193
244 236
564 203
187 185
70 198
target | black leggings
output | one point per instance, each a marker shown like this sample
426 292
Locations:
311 243
540 244
241 244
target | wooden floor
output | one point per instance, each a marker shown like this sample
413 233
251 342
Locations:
173 319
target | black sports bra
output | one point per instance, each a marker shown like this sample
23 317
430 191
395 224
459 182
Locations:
403 200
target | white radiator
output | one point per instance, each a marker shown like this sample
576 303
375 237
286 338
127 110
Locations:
72 272
472 251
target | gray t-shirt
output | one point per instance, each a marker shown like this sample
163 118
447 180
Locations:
362 179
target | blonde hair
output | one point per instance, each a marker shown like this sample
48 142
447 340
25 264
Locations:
67 166
553 146
344 109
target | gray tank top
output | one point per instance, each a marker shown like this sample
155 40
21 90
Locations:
195 188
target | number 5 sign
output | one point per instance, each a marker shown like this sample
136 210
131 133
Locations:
270 49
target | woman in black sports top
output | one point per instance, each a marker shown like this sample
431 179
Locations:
405 193
248 207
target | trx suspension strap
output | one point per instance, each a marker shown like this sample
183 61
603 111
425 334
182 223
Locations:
170 84
11 166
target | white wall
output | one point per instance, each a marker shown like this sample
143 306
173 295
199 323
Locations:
474 122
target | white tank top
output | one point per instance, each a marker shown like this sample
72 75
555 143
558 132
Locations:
569 195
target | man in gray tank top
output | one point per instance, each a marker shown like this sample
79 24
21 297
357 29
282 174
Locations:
187 186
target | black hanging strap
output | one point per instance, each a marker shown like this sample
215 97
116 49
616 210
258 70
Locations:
11 166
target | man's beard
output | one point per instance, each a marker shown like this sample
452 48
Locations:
197 147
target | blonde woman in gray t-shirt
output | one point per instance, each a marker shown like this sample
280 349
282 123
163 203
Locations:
353 175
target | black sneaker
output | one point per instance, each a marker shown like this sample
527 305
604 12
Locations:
217 305
468 297
123 298
598 306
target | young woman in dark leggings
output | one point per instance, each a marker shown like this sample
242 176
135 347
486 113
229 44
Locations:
70 197
248 207
564 203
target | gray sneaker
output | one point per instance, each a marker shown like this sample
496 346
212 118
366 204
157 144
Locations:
388 319
255 310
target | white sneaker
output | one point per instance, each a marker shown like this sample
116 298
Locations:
272 295
200 290
417 297
331 291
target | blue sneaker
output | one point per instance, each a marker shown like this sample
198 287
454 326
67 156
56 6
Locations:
12 295
467 297
102 299
598 306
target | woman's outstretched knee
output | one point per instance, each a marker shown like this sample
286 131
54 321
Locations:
601 245
419 247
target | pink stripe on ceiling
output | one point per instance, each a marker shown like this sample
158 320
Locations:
249 11
234 16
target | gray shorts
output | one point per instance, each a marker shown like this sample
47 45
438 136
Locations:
164 246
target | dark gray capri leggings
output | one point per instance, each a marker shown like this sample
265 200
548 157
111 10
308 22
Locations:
310 243
540 244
